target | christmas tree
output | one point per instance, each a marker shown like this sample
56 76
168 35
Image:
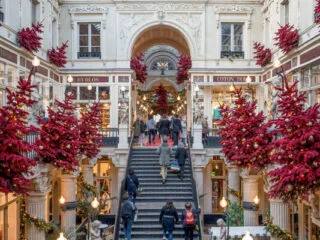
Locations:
14 163
29 38
184 65
297 147
317 12
90 136
59 137
162 101
58 57
262 55
140 69
287 38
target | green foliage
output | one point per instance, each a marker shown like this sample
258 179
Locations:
236 214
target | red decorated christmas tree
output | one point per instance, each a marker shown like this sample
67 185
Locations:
162 101
287 38
317 12
90 136
184 65
29 38
13 148
59 137
58 57
262 55
297 147
140 69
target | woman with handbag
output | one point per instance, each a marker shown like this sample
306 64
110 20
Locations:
165 153
168 217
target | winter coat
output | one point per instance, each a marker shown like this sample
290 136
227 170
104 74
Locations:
184 129
165 152
181 155
128 186
143 126
136 130
183 217
164 126
176 125
167 217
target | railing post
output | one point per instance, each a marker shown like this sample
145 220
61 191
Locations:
197 136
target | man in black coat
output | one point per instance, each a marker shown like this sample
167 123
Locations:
176 128
181 156
131 185
164 126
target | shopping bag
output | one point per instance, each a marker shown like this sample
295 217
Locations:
174 166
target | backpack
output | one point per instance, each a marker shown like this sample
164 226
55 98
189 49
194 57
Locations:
126 211
189 220
131 185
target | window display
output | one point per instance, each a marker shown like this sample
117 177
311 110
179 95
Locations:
8 217
218 180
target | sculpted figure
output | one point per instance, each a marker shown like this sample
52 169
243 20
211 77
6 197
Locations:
123 113
197 113
274 99
95 230
223 231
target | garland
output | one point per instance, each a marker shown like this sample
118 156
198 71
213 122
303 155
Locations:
287 38
58 57
140 69
29 39
234 192
262 55
317 12
83 183
276 231
184 65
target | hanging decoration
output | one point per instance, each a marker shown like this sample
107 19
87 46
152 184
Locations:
317 12
59 137
184 65
162 102
139 67
29 38
58 56
297 147
234 192
84 184
287 38
262 55
89 127
14 148
276 231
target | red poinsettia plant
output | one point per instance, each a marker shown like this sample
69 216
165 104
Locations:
58 56
287 38
262 55
317 12
184 65
59 136
139 67
29 38
162 101
14 160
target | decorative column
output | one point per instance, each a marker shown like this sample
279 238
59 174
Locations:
233 183
250 191
198 177
280 214
197 136
68 214
123 136
36 207
87 171
207 189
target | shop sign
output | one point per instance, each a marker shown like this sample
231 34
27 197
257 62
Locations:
231 79
4 53
89 79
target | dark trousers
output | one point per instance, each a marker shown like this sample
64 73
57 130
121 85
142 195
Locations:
151 133
181 169
188 233
175 136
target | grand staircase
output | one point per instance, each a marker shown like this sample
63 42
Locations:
145 163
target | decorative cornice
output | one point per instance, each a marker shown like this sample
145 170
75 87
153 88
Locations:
236 9
88 9
160 6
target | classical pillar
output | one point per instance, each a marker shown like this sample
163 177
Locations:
87 171
207 190
198 177
280 214
123 136
68 214
121 176
250 191
36 207
233 182
197 136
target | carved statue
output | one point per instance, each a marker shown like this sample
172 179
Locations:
223 231
37 109
95 230
123 113
274 99
248 97
197 113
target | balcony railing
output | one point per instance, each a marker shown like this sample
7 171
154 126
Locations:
89 54
110 137
229 54
212 140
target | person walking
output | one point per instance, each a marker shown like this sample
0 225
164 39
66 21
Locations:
143 128
165 153
168 217
127 215
151 129
205 129
189 221
176 129
181 156
184 130
164 126
136 130
131 185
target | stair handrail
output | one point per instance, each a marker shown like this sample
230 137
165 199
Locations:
194 189
121 192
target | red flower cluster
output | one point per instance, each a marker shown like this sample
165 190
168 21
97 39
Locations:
140 69
59 137
58 57
162 102
184 65
317 12
262 55
287 38
13 148
297 149
90 136
29 39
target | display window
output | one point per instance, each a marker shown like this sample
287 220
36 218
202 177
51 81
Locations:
219 185
8 217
